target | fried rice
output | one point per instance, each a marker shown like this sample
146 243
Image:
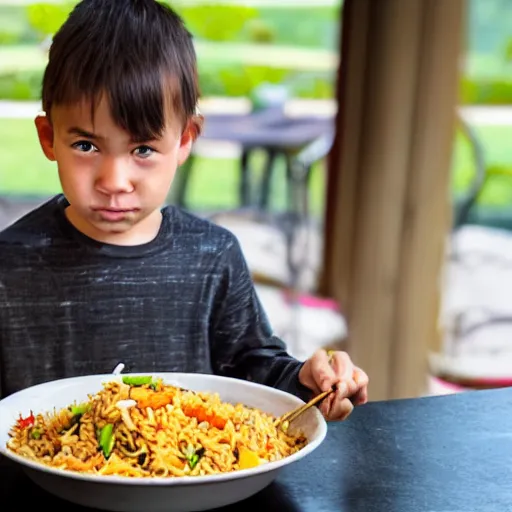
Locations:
141 427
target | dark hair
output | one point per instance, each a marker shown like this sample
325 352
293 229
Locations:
138 52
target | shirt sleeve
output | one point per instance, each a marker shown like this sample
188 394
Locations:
242 342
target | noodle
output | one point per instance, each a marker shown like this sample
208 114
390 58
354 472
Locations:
144 428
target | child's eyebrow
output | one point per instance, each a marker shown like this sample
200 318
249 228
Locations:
89 135
141 140
83 133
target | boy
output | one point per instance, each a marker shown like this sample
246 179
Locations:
102 274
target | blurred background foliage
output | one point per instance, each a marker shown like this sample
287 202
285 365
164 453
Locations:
242 49
225 34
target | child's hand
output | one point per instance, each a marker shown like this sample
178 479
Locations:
321 371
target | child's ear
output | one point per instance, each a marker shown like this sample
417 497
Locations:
189 135
45 134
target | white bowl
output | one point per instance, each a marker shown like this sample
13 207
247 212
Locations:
181 494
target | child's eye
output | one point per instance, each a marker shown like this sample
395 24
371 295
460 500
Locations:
85 146
144 151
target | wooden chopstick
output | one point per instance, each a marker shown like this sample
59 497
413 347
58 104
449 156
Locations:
290 416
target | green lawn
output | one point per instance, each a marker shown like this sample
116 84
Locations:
488 65
23 167
495 141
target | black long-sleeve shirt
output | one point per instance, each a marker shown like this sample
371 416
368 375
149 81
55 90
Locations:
184 302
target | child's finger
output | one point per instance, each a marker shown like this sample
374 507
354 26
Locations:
326 405
344 369
322 372
338 408
362 380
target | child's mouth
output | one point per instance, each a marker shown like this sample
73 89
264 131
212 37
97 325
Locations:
113 214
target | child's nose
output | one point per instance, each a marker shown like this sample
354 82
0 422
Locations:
113 177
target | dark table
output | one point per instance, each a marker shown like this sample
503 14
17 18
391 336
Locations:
268 130
441 454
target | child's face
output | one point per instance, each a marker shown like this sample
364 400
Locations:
115 186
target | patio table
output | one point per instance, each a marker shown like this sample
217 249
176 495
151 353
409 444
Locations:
270 131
